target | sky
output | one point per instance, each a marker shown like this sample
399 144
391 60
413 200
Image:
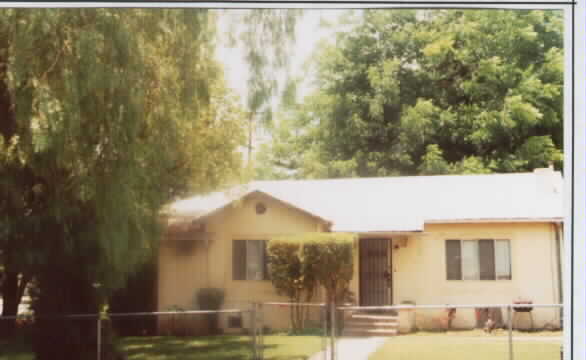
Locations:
308 34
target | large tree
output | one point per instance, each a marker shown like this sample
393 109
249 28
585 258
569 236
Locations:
107 114
429 92
266 38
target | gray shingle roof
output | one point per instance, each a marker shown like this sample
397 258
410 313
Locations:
405 203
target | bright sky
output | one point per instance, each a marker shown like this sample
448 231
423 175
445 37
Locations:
308 34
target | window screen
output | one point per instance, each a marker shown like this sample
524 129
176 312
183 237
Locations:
249 260
484 259
502 257
470 265
453 260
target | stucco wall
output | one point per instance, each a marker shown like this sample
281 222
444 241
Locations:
419 272
419 269
181 277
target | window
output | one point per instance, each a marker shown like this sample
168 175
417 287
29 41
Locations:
249 260
484 259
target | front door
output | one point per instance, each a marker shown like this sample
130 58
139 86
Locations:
375 275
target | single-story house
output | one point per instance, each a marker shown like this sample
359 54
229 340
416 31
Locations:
448 239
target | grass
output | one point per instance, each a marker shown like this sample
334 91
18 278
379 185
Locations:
465 345
276 347
497 333
218 347
16 349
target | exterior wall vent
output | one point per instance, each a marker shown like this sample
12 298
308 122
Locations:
260 208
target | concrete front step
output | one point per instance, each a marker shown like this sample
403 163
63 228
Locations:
375 317
372 324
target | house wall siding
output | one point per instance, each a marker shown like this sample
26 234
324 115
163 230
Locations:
237 223
419 269
419 272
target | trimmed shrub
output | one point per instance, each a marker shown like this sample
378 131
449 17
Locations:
299 262
331 257
290 277
211 299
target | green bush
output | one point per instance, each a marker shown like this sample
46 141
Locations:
290 277
331 256
211 299
300 262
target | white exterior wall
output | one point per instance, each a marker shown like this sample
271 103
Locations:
419 272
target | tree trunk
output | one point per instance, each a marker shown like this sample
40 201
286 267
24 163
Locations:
10 302
66 338
65 287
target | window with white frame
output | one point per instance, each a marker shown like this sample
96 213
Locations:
483 259
249 260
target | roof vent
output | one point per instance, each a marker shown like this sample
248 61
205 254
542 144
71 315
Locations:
260 208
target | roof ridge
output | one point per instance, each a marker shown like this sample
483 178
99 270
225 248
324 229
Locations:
398 177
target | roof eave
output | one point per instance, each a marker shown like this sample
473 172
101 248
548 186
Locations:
214 212
496 220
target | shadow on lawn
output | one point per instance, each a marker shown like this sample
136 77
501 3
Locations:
192 348
15 349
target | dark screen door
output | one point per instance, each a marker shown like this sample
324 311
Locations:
375 277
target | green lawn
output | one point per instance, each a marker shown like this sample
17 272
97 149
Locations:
467 345
277 347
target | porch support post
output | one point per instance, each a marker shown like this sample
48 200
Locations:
260 340
324 319
253 331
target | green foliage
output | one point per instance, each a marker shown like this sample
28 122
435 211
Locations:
266 36
210 298
138 295
291 276
434 162
286 269
332 259
298 263
405 92
108 114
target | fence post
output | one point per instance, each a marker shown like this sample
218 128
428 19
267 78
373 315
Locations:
324 342
253 330
99 337
333 330
261 331
510 318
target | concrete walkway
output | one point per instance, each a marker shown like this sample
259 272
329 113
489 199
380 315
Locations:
353 348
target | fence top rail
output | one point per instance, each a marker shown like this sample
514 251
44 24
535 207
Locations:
186 312
292 304
449 306
111 315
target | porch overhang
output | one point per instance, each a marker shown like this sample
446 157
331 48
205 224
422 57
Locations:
387 234
379 224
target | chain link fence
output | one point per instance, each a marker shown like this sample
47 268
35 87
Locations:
455 332
282 330
161 335
292 330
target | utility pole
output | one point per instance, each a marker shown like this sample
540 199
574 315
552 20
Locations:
250 136
251 129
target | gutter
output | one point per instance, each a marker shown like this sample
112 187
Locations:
495 220
557 228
